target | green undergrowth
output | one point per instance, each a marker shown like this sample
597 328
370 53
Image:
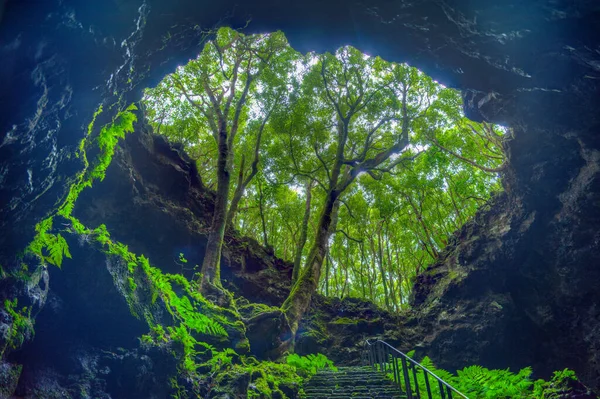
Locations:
52 248
264 379
310 364
478 382
21 326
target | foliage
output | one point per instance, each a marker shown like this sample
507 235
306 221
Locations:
21 325
310 364
477 382
107 140
480 382
50 248
187 309
558 387
400 204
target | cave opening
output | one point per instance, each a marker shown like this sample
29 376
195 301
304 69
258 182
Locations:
398 216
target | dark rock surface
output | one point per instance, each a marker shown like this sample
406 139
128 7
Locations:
339 329
519 287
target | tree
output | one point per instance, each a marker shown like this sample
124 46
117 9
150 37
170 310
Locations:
362 111
303 231
232 87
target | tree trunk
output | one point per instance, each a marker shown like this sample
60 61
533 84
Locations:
242 183
299 299
327 266
237 195
382 269
389 271
362 268
211 274
262 216
303 233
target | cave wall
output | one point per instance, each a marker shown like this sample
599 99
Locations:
532 65
520 284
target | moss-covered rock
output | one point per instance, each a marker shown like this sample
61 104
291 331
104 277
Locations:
9 377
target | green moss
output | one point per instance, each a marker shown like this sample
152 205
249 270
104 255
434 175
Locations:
345 321
21 327
258 379
251 310
9 378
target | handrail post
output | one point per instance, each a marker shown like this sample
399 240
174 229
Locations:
406 379
449 392
395 365
442 390
414 370
427 385
372 352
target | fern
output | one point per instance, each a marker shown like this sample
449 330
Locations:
108 138
48 247
557 387
57 249
310 363
480 382
221 359
102 234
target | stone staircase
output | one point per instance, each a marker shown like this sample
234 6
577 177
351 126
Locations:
351 383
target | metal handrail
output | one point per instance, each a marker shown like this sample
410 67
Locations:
378 353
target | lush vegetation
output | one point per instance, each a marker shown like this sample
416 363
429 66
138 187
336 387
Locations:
481 383
354 168
310 364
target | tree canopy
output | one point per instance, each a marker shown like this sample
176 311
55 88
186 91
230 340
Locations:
355 169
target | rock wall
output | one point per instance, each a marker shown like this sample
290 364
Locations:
520 283
518 287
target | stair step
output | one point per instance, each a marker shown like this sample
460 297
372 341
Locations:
351 383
